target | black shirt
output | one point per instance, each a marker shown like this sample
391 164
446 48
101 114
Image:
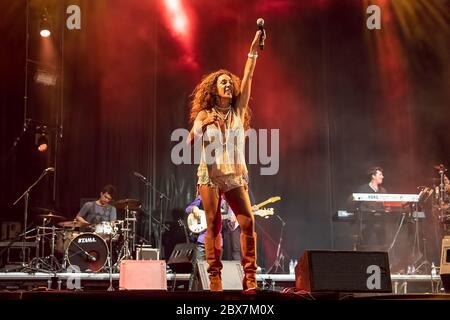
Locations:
369 206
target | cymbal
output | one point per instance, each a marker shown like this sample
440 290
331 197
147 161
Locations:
131 204
52 216
439 167
73 224
48 214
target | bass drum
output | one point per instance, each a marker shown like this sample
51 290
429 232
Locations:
63 239
88 252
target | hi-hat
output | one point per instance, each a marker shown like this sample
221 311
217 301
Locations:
131 204
48 214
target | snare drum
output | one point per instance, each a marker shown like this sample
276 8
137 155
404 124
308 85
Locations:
105 229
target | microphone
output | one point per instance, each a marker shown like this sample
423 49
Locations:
90 256
49 169
140 176
260 24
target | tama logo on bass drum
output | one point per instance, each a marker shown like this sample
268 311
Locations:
87 240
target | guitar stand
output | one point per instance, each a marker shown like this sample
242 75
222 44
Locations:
279 260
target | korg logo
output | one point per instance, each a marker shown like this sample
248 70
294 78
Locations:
87 240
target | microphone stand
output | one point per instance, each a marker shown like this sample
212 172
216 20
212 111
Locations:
149 186
149 213
161 197
279 257
26 196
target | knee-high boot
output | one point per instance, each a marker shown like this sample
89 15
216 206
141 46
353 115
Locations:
248 247
213 252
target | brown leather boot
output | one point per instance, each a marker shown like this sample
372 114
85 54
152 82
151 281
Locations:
248 246
213 252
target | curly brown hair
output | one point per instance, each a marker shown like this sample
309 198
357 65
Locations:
204 96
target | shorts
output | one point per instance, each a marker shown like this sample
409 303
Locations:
224 183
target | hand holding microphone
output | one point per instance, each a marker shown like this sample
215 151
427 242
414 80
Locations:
262 37
258 41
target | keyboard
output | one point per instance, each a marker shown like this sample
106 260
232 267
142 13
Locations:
386 197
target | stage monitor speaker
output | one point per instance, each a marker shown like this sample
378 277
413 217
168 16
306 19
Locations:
146 252
180 260
143 275
343 271
232 275
444 269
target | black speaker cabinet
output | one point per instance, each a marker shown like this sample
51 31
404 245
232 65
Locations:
180 260
343 271
445 264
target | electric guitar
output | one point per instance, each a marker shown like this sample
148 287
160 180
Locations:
196 220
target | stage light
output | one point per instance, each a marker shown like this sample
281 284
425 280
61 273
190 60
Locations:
45 25
45 78
41 138
177 17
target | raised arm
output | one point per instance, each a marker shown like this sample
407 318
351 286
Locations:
246 82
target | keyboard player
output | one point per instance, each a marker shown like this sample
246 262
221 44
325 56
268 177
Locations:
372 226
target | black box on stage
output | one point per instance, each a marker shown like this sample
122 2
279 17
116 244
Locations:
180 260
12 253
343 271
10 230
146 252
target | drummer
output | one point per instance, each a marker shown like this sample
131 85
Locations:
100 210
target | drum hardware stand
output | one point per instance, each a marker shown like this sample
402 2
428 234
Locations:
440 192
133 231
110 267
53 264
279 260
124 252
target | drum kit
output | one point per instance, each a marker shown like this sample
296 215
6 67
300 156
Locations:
82 246
439 196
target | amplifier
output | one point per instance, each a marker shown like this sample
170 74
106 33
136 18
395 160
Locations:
146 252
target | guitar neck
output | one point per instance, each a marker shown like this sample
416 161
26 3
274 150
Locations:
262 204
